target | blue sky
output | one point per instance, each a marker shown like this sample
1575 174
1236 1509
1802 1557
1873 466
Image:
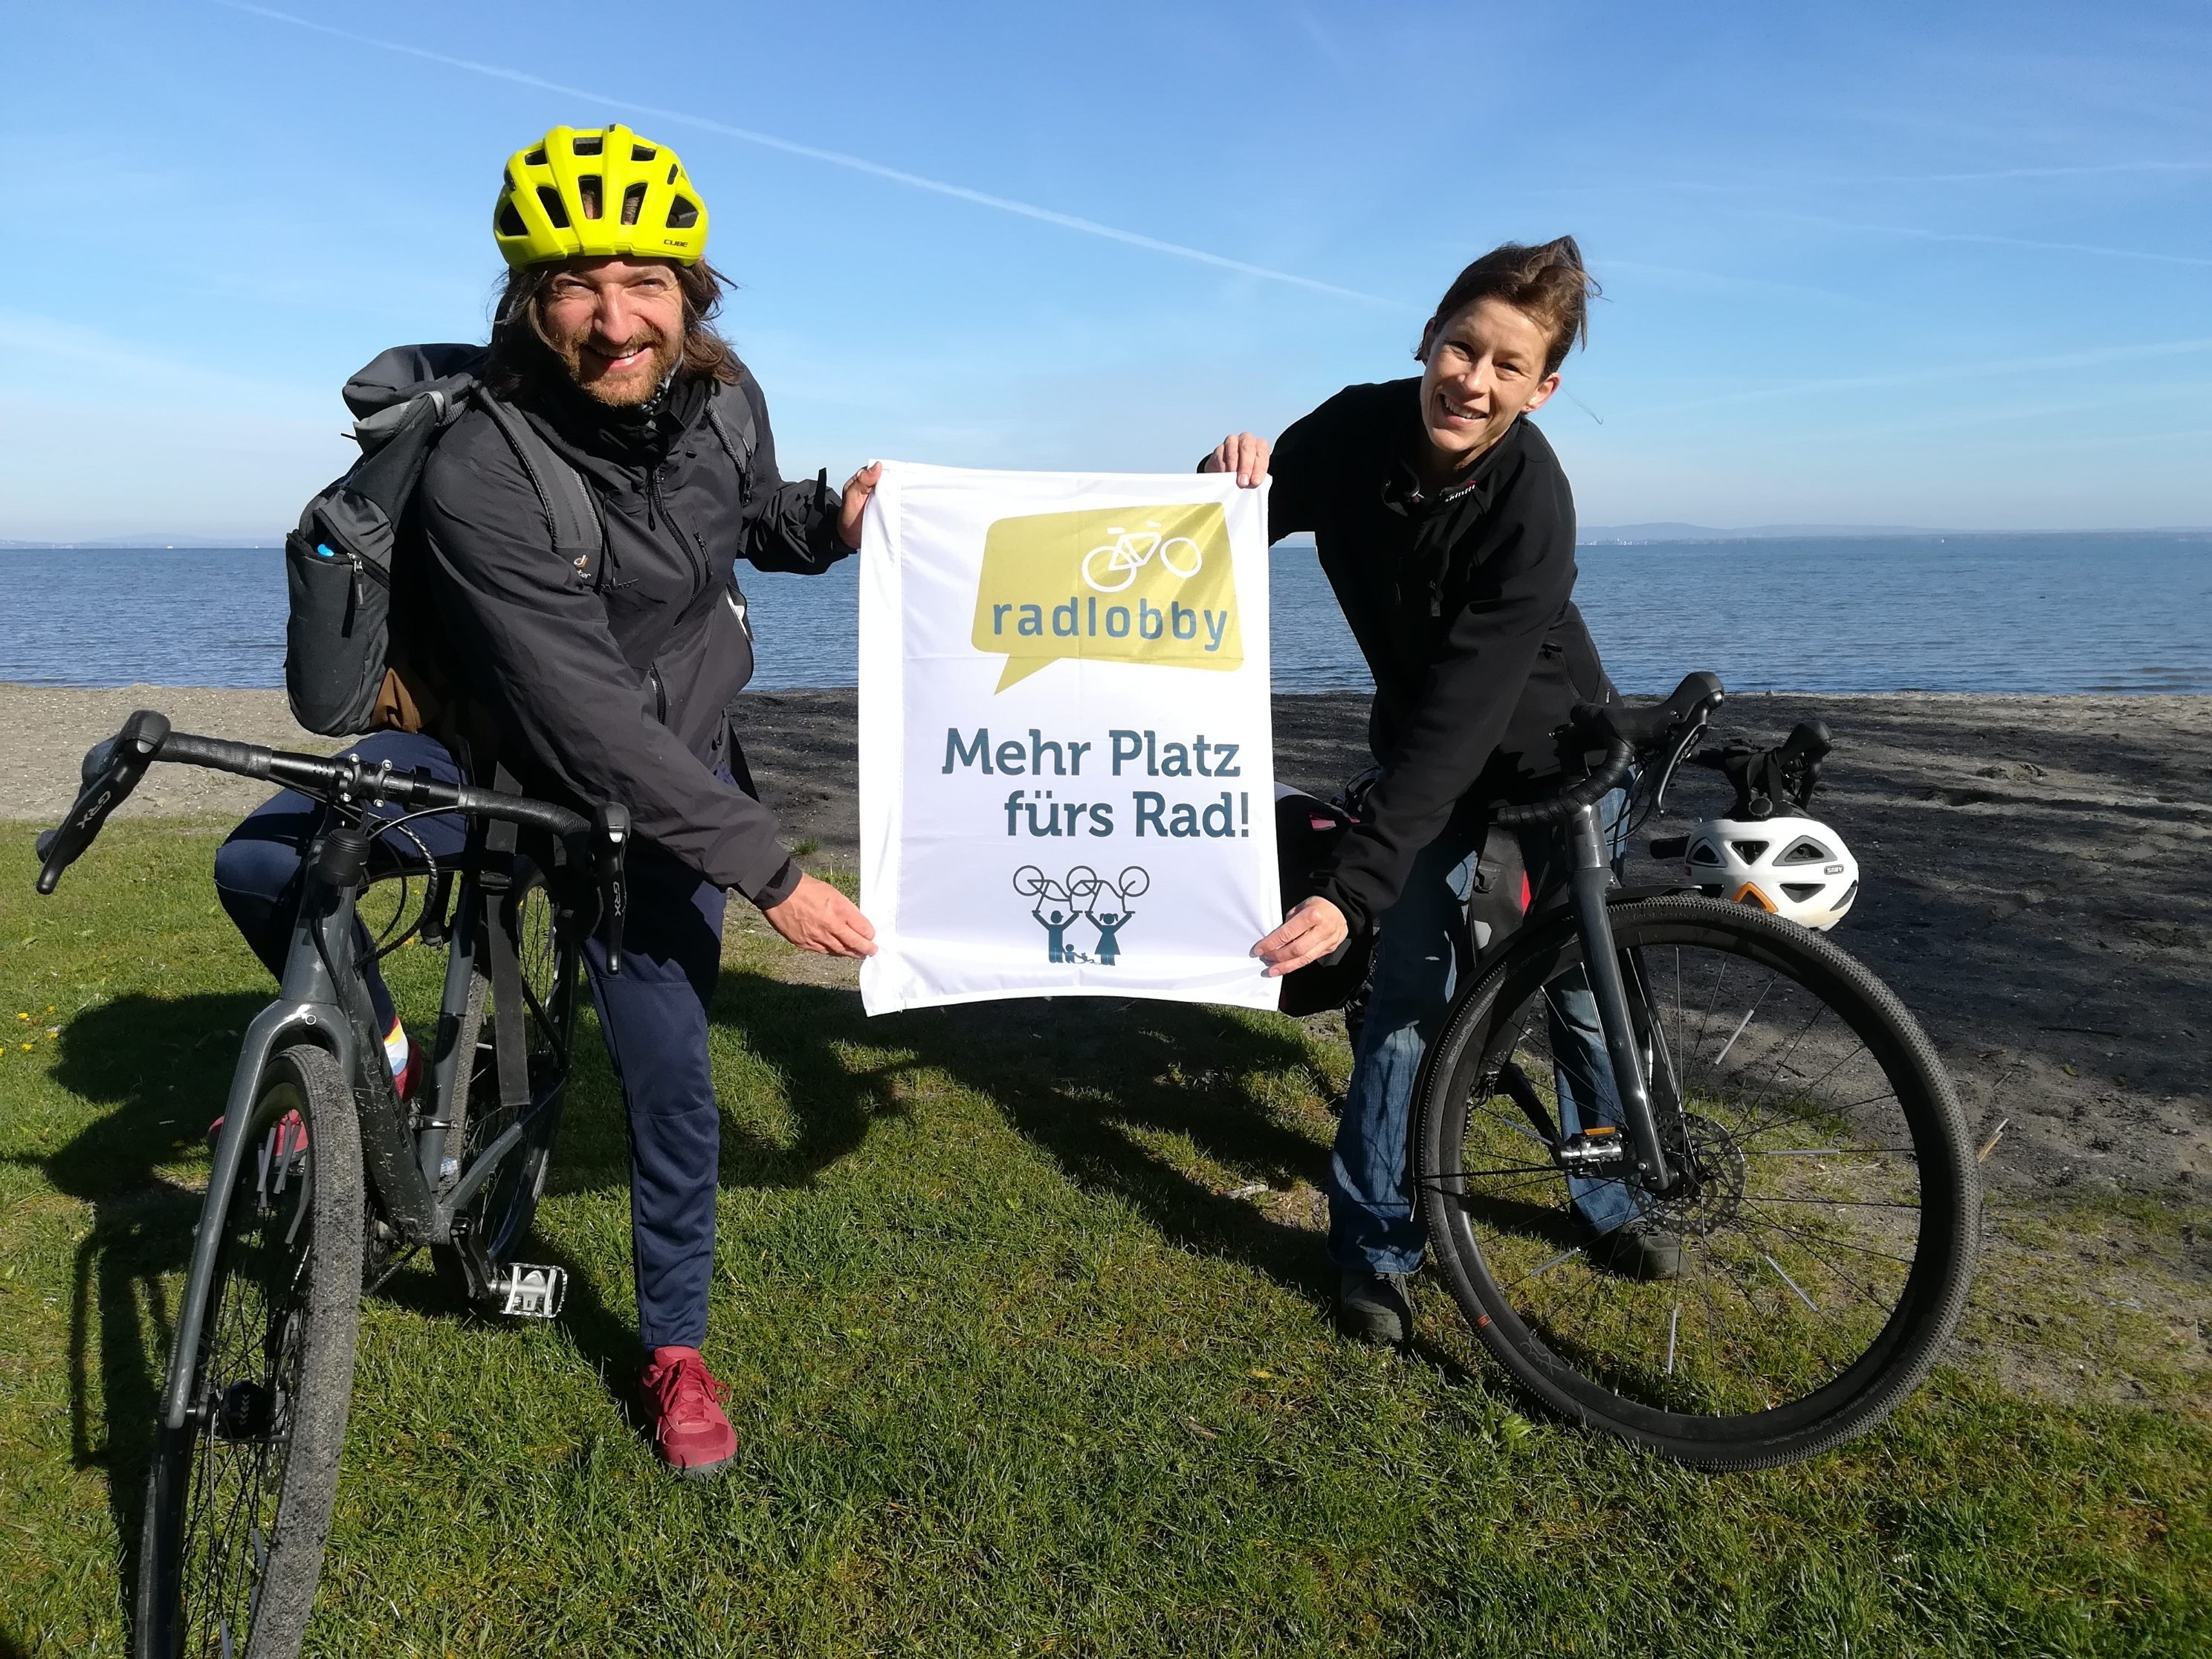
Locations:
1884 264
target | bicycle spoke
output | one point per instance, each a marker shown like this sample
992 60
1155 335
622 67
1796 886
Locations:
1798 1209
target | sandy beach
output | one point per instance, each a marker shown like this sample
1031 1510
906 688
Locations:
2038 877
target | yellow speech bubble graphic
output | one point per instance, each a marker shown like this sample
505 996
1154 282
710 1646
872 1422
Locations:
1122 584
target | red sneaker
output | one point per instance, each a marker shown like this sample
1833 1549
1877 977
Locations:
689 1429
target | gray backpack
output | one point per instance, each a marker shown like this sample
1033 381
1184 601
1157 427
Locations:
344 672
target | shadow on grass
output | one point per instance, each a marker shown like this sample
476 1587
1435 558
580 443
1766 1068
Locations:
1088 1079
165 1067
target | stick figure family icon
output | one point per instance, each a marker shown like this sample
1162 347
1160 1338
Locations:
1081 895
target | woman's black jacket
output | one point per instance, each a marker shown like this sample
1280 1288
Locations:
611 682
1460 599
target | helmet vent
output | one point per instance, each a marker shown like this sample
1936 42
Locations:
633 204
536 158
588 194
1849 893
510 222
1705 852
1799 891
1751 851
556 209
682 214
1805 850
642 152
587 146
673 171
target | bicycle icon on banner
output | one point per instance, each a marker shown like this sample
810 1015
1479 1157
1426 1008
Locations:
1112 565
1078 891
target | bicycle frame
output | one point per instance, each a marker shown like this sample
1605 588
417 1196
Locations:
322 999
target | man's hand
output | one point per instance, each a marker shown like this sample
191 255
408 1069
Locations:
858 488
1310 932
1243 455
816 916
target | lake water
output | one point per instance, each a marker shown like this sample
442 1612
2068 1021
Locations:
2127 613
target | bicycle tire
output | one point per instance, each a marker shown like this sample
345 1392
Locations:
501 1211
1197 558
1114 561
1550 1354
200 1575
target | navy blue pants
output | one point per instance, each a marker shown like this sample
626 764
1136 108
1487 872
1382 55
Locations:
653 1015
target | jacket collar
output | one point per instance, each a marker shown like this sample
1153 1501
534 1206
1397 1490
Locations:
641 436
1403 492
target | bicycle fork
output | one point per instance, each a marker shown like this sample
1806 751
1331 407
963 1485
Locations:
1588 884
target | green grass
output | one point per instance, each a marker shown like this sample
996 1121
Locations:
1010 1375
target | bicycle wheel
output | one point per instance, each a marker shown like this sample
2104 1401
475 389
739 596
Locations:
1827 1209
238 1501
1195 557
546 963
1098 571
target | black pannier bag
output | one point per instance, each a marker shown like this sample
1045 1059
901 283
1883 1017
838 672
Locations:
1307 832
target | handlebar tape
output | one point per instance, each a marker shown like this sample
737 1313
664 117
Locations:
1622 730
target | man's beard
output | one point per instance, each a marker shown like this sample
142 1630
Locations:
634 387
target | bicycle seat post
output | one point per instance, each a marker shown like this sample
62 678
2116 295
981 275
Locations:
1588 884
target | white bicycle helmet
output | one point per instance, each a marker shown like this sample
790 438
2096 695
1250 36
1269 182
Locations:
1794 867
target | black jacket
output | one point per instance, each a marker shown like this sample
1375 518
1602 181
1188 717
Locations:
1460 599
612 683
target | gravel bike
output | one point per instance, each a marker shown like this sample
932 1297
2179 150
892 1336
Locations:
323 1179
1653 1058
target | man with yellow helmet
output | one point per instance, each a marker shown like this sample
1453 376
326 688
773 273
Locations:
608 674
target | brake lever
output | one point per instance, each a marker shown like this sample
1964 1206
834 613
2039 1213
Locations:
110 771
610 838
1800 755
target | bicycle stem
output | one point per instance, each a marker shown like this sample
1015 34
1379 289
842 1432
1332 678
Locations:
1587 886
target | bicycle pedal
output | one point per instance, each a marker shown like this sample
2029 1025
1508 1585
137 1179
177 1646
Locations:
1600 1148
523 1291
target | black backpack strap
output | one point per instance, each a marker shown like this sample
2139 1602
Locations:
738 434
579 537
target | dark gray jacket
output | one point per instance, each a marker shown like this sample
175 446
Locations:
613 681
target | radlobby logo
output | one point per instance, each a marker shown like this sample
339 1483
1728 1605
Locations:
1126 584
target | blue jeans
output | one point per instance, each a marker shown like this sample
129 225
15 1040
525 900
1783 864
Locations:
654 1015
1372 1224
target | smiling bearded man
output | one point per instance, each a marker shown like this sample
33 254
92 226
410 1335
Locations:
608 676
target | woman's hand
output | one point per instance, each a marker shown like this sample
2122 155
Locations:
1241 453
816 916
858 488
1310 932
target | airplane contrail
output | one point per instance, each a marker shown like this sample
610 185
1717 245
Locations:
832 157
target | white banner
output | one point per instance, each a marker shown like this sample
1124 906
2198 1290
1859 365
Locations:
1067 764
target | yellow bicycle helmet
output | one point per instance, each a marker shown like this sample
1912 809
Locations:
596 193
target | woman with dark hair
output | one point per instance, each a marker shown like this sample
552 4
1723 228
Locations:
1446 527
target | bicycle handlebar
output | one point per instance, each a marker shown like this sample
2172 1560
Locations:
1626 733
113 767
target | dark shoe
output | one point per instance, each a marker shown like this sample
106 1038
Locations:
1638 1250
1375 1308
689 1429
